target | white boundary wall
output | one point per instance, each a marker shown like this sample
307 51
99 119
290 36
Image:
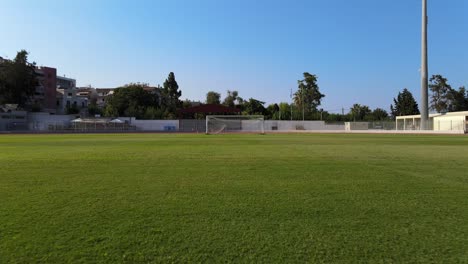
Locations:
153 125
42 121
442 125
282 125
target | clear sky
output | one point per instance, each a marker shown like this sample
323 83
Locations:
364 51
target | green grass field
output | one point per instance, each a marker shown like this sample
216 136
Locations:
233 198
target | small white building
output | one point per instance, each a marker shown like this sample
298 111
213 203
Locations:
452 121
67 98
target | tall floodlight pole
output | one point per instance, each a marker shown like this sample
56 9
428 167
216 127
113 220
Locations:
424 70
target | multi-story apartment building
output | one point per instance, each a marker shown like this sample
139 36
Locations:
65 83
45 94
54 94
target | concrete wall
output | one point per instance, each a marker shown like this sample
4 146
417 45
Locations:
154 125
15 120
283 125
198 126
46 121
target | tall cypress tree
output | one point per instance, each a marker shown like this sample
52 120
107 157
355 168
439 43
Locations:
171 94
404 104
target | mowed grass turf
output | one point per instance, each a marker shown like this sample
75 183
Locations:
233 198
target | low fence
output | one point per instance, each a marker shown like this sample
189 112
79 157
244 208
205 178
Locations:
192 125
382 125
155 125
40 122
281 125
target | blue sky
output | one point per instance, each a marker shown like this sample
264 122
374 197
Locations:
364 51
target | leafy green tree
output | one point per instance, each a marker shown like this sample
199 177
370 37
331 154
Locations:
213 98
254 107
272 112
152 113
93 109
135 110
72 110
18 80
338 117
130 100
379 114
440 93
360 112
308 96
171 95
458 100
111 111
284 111
232 99
404 104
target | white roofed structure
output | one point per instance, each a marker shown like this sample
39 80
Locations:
451 121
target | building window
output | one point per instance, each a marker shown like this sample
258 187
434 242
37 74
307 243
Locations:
68 103
58 102
82 104
70 94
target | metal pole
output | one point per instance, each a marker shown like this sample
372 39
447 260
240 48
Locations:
424 70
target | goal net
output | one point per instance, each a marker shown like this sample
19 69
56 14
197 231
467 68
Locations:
235 124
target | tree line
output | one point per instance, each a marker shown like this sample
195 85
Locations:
307 99
136 101
18 81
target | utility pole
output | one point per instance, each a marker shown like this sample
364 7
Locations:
424 70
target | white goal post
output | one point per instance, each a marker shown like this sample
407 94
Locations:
217 124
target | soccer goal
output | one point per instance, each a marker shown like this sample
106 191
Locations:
235 124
